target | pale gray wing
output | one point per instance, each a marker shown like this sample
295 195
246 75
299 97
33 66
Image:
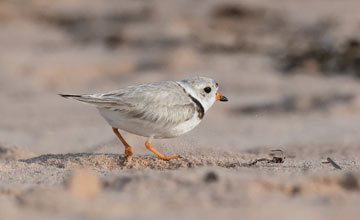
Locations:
161 102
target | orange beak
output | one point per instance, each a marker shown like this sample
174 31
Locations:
221 98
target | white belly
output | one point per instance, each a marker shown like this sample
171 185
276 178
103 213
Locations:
148 128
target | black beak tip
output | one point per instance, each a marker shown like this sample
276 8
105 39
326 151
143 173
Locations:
224 99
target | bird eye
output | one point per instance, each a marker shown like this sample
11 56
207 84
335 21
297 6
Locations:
207 89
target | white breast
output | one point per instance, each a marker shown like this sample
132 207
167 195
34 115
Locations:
181 128
147 128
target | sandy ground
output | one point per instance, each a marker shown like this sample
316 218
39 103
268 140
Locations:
59 159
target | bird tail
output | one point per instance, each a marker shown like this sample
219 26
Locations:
90 99
81 98
70 96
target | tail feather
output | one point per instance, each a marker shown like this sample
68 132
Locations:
92 100
81 98
69 96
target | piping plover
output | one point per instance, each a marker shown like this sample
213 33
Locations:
155 110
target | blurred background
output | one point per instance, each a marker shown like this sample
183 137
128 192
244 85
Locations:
290 68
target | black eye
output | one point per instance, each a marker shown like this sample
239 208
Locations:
207 89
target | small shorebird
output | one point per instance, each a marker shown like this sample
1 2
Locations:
156 110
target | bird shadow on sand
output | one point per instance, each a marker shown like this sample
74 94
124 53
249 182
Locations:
116 161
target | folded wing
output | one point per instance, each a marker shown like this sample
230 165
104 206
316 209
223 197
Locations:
163 102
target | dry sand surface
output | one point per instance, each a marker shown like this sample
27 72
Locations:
290 69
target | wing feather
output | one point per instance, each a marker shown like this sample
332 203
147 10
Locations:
163 102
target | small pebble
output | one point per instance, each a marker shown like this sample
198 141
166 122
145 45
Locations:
211 177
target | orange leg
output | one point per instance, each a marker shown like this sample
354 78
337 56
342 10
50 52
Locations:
161 156
128 150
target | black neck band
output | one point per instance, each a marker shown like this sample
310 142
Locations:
199 107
